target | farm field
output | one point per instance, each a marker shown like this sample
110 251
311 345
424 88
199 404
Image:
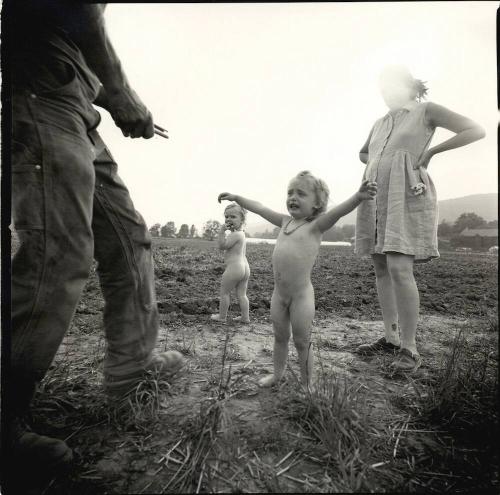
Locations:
211 429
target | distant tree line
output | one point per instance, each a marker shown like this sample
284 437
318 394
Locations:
345 233
169 230
464 221
210 230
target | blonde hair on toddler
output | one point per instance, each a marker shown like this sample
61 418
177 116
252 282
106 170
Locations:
241 210
320 189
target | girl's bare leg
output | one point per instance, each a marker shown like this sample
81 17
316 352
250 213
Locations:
387 298
230 279
400 267
301 316
241 292
281 326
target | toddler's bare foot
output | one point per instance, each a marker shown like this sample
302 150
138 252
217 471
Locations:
241 320
216 317
267 381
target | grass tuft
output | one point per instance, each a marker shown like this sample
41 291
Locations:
336 415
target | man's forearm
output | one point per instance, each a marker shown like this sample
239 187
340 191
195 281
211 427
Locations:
87 28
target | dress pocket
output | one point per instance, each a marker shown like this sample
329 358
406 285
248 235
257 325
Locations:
416 187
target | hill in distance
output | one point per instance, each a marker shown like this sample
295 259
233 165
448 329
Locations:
484 205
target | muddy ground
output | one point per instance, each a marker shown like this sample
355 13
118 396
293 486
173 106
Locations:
257 444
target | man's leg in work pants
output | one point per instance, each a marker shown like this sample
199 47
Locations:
126 274
52 201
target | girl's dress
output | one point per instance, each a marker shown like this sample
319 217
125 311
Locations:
403 216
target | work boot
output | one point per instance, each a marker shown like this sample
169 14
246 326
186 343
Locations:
31 451
162 365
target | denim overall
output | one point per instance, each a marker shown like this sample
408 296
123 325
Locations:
69 206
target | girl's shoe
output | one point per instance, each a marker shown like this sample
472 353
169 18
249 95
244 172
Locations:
407 361
380 345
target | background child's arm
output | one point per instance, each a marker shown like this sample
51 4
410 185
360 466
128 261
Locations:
254 206
331 217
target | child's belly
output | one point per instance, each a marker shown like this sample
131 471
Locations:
292 270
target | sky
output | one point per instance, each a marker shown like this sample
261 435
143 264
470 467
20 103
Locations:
251 94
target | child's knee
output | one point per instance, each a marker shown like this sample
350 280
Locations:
302 343
224 293
242 297
281 335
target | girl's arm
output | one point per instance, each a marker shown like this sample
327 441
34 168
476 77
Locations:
254 206
221 239
466 130
331 217
363 152
228 242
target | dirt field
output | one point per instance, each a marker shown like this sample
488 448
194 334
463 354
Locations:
212 429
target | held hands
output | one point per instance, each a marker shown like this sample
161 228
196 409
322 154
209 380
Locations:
368 190
130 114
226 197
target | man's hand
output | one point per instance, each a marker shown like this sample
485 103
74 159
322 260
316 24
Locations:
130 114
368 190
226 197
84 24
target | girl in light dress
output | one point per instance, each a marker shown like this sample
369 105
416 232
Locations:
400 227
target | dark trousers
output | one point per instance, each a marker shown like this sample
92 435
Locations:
70 206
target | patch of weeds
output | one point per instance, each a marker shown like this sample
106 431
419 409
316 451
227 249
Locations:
233 353
142 408
206 361
465 391
202 433
462 403
326 344
69 396
336 416
185 347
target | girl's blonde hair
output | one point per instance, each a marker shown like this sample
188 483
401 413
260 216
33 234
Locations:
240 209
320 189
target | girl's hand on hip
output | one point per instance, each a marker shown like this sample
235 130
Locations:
424 160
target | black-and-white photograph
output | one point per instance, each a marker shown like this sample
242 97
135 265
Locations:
249 247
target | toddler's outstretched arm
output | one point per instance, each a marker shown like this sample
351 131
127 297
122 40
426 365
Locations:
368 190
254 206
